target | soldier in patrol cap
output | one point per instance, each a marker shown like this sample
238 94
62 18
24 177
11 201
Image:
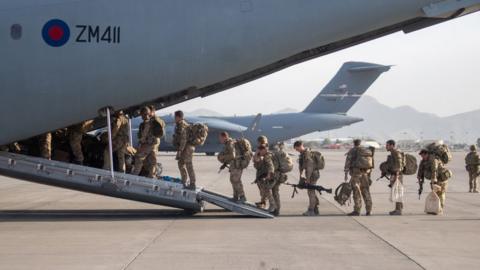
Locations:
263 162
185 150
261 140
229 156
307 165
395 166
147 142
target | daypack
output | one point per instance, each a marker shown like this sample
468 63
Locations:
318 160
244 153
363 158
441 151
343 193
284 161
197 134
158 127
444 174
411 165
432 202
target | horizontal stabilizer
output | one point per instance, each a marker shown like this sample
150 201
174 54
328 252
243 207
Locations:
345 89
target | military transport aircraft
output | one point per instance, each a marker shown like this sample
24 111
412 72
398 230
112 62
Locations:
327 111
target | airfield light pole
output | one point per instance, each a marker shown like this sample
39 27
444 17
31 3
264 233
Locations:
110 150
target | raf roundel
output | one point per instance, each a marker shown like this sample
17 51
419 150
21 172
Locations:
56 33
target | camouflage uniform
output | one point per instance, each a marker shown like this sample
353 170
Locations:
359 181
312 175
395 166
184 152
75 136
151 160
262 140
428 169
120 140
228 156
278 178
264 176
472 161
147 145
45 145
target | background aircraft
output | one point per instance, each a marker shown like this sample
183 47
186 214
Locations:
63 61
327 111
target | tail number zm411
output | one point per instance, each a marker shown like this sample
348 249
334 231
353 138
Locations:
97 34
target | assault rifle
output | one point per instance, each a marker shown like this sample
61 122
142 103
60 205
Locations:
420 187
386 177
224 165
304 185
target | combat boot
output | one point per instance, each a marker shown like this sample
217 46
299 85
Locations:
353 214
261 205
192 187
276 212
475 191
271 209
398 210
309 213
316 210
242 199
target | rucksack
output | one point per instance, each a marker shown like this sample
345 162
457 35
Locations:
244 153
444 174
158 127
343 193
411 165
441 151
284 161
197 134
318 160
363 158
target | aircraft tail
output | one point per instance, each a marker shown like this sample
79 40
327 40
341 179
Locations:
345 89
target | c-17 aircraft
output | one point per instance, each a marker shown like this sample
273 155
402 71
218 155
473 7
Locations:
327 111
67 61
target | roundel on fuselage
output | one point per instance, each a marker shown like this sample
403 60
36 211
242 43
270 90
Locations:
56 33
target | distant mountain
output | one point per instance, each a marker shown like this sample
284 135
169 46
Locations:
382 122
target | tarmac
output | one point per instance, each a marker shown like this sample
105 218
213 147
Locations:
44 227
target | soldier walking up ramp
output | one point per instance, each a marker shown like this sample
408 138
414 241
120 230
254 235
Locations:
123 186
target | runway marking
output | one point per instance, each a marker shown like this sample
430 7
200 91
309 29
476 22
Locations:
149 244
378 236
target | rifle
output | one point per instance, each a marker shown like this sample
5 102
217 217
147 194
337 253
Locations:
420 187
386 177
303 185
224 165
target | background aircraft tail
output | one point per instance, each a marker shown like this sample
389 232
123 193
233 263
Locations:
345 89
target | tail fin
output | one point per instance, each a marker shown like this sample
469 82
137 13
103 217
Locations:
345 89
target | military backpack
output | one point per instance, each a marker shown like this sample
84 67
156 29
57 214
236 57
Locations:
197 134
158 127
411 165
363 158
472 160
343 193
444 174
244 153
318 160
441 151
283 162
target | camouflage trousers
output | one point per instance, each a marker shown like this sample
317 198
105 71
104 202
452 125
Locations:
265 187
75 140
45 145
140 159
276 194
442 192
151 161
473 180
120 149
313 200
185 165
236 181
361 189
263 192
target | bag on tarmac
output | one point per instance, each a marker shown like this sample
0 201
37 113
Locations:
444 174
411 165
158 127
318 160
441 151
432 202
343 193
198 134
284 161
363 158
397 192
244 153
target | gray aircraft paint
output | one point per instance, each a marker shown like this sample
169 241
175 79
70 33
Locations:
326 112
174 50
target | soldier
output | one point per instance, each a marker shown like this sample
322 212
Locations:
395 166
306 164
263 162
429 169
472 161
45 145
120 140
147 142
261 140
75 136
151 160
184 150
278 177
229 156
360 180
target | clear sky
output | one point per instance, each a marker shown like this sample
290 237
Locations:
436 71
